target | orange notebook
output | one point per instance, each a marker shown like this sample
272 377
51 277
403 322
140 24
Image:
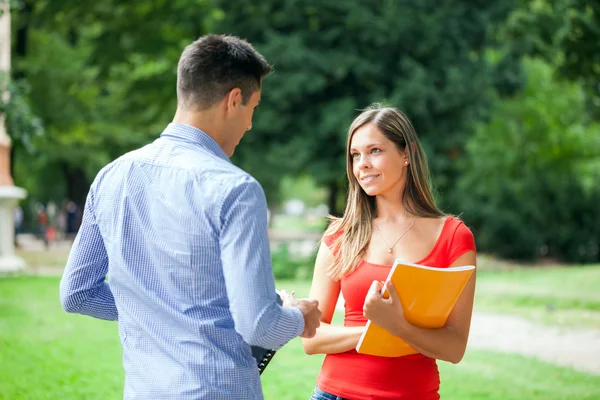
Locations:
428 295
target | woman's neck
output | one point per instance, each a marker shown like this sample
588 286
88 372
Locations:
390 209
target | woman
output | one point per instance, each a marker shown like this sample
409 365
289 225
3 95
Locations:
390 214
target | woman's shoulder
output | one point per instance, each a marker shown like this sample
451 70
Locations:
458 238
333 232
457 228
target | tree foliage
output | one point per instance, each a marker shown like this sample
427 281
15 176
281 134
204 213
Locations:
565 33
102 79
526 182
24 125
333 58
98 79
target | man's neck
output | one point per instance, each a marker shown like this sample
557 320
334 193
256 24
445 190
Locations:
206 121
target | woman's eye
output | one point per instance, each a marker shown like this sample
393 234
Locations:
354 155
375 150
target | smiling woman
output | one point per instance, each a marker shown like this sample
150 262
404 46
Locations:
390 214
373 155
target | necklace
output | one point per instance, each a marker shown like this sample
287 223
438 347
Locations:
401 236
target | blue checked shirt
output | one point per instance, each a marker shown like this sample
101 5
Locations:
182 235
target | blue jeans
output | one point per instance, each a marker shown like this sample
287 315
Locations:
318 394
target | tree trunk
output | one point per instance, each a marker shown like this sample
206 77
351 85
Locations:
22 34
21 39
333 189
77 184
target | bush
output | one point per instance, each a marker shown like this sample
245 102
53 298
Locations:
285 266
526 180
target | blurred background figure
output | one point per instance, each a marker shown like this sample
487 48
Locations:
42 222
18 221
72 217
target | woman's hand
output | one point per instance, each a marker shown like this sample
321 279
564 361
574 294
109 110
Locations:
287 298
447 343
388 313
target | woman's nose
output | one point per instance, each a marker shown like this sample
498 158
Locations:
364 163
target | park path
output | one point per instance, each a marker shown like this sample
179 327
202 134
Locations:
575 348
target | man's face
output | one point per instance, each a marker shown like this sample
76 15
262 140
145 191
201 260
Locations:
241 121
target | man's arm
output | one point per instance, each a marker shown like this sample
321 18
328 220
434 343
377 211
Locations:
83 287
248 271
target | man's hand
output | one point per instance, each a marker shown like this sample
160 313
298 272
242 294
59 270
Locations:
312 316
308 307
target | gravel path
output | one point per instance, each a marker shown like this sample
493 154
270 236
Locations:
576 348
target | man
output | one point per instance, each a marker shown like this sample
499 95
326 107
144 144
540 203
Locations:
182 235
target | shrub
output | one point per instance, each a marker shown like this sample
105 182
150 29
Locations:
526 185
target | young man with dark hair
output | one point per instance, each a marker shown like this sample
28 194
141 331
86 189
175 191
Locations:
182 235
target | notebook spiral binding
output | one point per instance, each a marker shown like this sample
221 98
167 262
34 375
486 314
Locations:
264 361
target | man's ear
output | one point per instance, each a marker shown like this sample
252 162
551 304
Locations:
233 99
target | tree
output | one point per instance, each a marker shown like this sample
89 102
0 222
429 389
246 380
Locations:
564 32
102 78
529 180
108 67
332 58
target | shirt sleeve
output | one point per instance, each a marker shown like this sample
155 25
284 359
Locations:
248 271
462 242
83 287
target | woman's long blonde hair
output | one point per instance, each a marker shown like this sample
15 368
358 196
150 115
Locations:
417 198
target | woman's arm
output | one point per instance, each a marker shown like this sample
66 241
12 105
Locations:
329 339
448 343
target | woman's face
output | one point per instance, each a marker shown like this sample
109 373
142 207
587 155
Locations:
377 164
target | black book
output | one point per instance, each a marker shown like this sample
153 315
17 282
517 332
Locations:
263 356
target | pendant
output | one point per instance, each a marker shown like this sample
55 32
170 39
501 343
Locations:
389 249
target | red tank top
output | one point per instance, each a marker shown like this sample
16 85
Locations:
364 377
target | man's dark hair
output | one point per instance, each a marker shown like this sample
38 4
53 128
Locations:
214 65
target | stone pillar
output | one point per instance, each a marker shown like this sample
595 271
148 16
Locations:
9 194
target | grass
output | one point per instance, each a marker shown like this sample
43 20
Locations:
566 296
48 354
493 376
563 296
481 375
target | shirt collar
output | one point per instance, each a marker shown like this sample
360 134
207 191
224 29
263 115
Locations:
194 135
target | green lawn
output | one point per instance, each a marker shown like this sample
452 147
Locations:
565 296
559 295
481 375
48 354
